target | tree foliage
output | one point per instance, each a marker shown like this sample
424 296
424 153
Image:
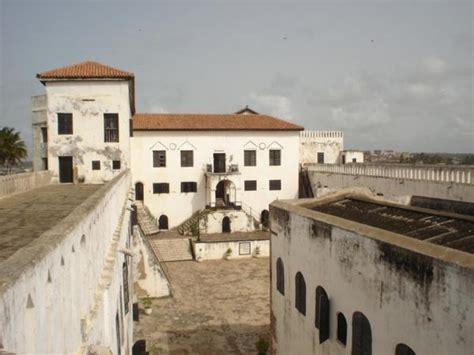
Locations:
12 148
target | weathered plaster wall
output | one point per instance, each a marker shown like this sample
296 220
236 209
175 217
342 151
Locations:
150 278
240 222
88 101
394 189
408 297
240 249
61 293
330 143
353 156
16 183
179 206
39 120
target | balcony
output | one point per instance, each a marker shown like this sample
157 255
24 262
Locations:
231 169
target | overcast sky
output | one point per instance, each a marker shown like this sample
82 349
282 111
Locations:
390 74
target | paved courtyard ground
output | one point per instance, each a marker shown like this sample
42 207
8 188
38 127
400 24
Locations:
218 307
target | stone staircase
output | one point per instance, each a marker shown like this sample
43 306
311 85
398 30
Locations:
146 220
185 227
174 249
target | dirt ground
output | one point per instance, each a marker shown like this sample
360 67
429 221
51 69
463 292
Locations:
218 307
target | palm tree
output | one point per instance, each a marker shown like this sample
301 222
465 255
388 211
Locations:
12 148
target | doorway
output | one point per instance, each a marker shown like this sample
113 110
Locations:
219 162
265 218
65 169
226 225
139 191
163 222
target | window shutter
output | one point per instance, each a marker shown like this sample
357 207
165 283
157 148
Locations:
323 317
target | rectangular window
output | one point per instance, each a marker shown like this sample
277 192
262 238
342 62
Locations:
159 158
275 157
161 188
96 165
44 134
275 184
250 185
189 186
320 158
250 158
116 164
126 296
111 127
187 158
64 123
45 163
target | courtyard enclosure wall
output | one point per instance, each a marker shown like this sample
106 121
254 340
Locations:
239 249
329 143
396 182
65 290
88 101
177 205
16 183
411 292
239 222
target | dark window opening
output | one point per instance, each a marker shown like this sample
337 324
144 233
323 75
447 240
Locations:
265 218
117 332
361 335
219 162
275 157
300 293
65 123
275 184
320 158
354 160
96 165
189 186
139 195
280 273
126 297
250 185
116 164
159 158
226 225
403 349
161 188
111 127
163 222
341 328
321 320
44 134
187 158
45 163
250 158
65 169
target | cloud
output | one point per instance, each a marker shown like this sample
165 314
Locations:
433 66
272 104
361 115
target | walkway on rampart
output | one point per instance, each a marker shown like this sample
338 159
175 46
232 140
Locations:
25 216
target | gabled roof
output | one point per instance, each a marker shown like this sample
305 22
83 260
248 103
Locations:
85 70
247 110
210 122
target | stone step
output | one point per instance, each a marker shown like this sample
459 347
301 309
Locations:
172 249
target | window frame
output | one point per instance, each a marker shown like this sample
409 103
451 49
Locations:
250 185
320 157
115 166
274 157
95 164
159 158
65 123
250 157
188 186
111 128
185 159
272 187
158 188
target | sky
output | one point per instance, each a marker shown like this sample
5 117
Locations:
390 74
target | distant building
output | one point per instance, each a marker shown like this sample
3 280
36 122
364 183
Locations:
320 147
354 275
352 156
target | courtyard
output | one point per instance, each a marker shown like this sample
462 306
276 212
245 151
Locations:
217 307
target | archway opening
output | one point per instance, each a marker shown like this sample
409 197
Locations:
139 191
225 193
265 218
226 225
163 222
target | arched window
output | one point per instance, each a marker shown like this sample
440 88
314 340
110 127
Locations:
139 191
226 225
341 328
265 218
361 335
300 293
163 222
403 349
280 276
321 319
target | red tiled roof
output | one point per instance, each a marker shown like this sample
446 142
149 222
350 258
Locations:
210 122
85 70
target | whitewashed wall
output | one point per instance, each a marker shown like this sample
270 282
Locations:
408 297
217 250
180 206
240 222
16 183
313 142
350 155
87 141
60 294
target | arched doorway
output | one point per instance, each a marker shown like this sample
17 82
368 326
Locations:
163 222
265 218
225 193
139 348
139 191
226 225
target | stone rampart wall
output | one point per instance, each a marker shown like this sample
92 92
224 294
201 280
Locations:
16 183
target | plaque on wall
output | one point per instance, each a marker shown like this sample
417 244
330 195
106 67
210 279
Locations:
244 248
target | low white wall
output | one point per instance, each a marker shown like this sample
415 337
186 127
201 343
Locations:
240 222
61 292
240 249
150 279
16 183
